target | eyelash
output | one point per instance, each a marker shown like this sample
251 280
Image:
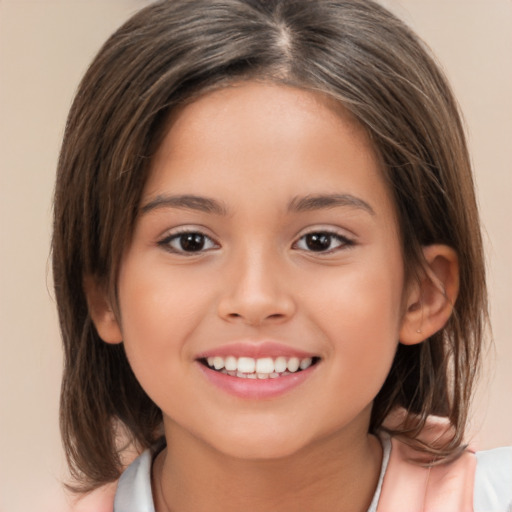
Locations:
202 239
166 242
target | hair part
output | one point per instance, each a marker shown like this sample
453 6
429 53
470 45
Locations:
165 56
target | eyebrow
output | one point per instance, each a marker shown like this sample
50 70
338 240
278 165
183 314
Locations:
324 201
186 202
297 204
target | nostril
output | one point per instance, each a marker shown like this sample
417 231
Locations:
255 309
255 319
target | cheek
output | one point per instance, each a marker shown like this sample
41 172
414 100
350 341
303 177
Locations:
159 312
158 302
363 299
360 315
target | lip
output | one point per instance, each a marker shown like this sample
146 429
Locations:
256 350
255 389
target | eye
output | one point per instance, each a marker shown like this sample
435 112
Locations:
322 241
188 242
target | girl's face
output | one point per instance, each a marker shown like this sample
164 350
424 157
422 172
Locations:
267 239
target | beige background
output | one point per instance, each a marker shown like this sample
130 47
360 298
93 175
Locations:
45 47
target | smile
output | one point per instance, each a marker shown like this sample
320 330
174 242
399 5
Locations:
261 368
257 378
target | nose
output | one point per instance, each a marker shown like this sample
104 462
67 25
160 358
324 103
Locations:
256 291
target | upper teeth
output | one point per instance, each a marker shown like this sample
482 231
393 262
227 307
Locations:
263 367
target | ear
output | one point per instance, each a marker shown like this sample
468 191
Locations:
101 311
430 300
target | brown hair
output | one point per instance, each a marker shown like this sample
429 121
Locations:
353 50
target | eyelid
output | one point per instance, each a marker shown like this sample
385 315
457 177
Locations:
329 229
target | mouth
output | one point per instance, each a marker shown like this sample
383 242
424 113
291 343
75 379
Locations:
258 368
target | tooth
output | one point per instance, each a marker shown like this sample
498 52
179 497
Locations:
305 363
246 364
263 368
230 363
293 364
280 364
218 362
265 365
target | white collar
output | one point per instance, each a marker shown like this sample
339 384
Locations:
134 488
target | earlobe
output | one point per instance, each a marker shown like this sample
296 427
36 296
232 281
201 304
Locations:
101 312
431 299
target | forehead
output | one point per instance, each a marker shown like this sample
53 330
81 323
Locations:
253 101
258 137
257 126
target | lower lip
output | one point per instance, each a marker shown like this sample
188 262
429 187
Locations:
256 389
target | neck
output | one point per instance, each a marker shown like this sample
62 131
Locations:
335 473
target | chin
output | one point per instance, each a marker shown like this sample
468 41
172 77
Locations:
262 450
264 443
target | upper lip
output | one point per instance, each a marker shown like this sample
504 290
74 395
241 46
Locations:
255 350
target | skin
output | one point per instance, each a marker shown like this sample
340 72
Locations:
256 149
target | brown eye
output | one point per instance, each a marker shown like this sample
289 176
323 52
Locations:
322 242
188 242
191 242
318 241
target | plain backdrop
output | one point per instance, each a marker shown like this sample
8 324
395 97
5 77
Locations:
45 47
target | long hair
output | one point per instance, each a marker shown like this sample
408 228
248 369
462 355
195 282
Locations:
166 55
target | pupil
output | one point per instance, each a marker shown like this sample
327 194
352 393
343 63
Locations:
318 241
192 242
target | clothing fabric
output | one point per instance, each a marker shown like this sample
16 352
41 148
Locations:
480 482
134 489
474 482
494 480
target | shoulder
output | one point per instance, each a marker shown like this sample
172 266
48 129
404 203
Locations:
411 485
132 493
475 481
493 480
100 500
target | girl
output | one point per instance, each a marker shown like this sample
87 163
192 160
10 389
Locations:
268 267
